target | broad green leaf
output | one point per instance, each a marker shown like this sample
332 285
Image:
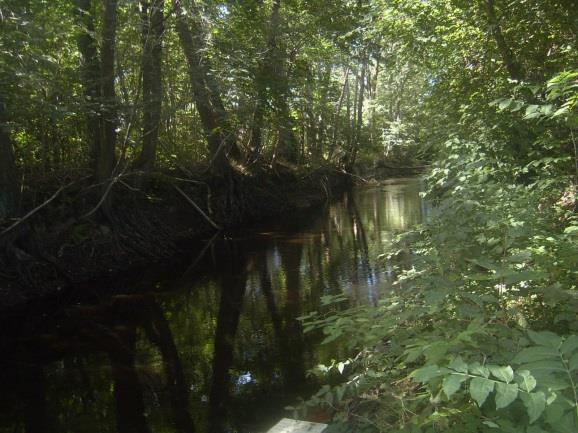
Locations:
560 111
570 345
567 424
535 429
535 403
573 363
548 366
526 381
546 339
504 103
479 370
505 394
534 354
571 230
334 335
413 354
554 412
505 374
453 383
459 365
425 374
480 388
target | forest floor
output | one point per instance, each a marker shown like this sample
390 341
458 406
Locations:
61 247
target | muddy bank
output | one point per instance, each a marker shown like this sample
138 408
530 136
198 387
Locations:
59 248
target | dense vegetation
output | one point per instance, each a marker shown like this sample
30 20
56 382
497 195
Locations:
108 90
480 334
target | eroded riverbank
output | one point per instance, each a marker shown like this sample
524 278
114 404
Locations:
59 248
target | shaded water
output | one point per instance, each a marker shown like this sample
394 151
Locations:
207 347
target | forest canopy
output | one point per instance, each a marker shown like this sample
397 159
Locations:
99 88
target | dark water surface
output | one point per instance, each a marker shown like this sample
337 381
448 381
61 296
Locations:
209 346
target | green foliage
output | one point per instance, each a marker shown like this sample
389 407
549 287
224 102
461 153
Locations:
480 332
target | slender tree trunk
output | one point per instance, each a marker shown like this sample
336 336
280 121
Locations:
219 135
348 130
357 120
288 143
335 125
8 172
90 73
265 73
152 32
313 145
106 158
271 73
514 69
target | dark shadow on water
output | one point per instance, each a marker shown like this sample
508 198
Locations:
210 343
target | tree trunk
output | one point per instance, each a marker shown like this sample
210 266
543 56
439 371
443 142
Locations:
105 158
514 69
336 122
8 172
219 135
266 73
90 75
152 32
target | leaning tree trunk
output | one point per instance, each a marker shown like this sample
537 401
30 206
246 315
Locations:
8 182
514 69
152 32
208 102
90 75
105 158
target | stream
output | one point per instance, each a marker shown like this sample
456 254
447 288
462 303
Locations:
208 343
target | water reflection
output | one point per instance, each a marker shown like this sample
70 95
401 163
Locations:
215 346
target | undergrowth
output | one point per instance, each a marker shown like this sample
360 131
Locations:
480 333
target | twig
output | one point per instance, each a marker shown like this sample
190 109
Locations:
122 182
37 208
199 256
103 198
186 197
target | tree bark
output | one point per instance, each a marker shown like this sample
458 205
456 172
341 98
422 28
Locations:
152 33
219 134
265 73
106 158
8 172
513 67
90 75
336 122
271 81
359 121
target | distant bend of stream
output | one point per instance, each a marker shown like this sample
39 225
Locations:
209 344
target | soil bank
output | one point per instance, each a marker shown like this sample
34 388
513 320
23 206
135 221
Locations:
59 249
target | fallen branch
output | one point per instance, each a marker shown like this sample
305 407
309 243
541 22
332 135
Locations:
187 198
37 208
186 274
103 198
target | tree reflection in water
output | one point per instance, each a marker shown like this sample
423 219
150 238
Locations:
210 345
